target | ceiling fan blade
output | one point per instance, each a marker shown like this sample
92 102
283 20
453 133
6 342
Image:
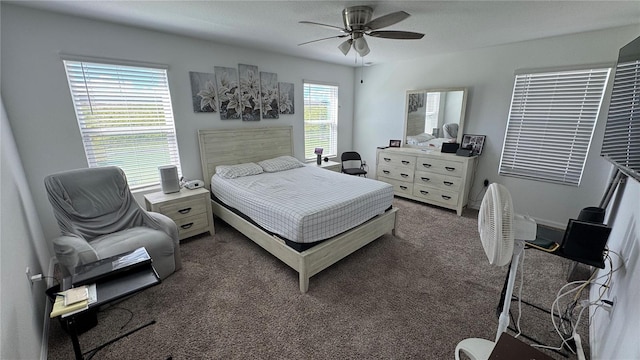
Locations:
327 38
400 35
325 25
386 20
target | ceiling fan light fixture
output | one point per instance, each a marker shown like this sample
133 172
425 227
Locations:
361 46
345 47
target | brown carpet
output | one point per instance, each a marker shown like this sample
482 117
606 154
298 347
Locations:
413 295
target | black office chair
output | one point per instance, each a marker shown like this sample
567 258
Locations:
352 156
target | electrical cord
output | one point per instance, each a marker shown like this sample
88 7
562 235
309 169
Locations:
571 306
520 294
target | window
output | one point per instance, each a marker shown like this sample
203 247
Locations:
621 144
125 118
320 119
551 122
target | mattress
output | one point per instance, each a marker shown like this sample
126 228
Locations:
305 204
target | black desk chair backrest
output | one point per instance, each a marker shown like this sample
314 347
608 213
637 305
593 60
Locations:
352 156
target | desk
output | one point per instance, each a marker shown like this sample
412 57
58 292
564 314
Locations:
107 291
545 234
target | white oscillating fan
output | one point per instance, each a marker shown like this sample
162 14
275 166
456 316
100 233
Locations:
502 234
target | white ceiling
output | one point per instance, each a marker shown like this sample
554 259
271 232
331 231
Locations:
450 26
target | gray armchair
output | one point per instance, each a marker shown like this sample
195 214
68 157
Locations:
99 217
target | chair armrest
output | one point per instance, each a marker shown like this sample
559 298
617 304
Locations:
72 251
170 227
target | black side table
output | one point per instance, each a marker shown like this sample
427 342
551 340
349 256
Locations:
109 289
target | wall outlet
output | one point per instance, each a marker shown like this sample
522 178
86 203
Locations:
28 272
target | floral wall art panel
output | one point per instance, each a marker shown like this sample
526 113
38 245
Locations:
203 92
269 92
286 98
228 92
249 92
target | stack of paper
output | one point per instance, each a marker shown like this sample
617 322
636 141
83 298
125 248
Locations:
74 300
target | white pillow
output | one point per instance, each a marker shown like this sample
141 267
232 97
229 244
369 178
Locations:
280 163
235 171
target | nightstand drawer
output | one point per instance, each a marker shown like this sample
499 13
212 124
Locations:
189 209
192 225
183 209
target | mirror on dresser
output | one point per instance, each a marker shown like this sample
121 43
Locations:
434 116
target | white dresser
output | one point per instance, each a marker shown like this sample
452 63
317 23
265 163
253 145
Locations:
428 176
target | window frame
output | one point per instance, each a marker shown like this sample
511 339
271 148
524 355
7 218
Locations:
550 126
331 150
144 128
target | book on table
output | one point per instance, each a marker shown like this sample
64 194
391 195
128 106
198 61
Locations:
74 300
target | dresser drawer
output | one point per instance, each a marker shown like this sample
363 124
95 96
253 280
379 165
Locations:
397 160
443 182
191 225
399 187
396 173
183 209
451 168
448 198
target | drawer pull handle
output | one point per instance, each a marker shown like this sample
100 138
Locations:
426 165
403 187
424 192
386 171
448 183
425 179
446 197
449 168
405 162
186 226
404 175
387 159
184 211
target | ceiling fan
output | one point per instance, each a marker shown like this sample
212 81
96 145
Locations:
357 23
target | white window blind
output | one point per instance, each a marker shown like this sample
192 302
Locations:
551 122
621 143
320 119
125 118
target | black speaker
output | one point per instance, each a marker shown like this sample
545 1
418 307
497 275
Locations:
584 242
450 148
464 152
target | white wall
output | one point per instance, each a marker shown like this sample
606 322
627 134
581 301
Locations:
37 98
617 332
22 309
489 75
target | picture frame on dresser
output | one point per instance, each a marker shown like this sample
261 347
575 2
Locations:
475 142
395 143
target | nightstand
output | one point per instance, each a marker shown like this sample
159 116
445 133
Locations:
328 165
189 209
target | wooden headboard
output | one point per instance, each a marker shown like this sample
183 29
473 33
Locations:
237 146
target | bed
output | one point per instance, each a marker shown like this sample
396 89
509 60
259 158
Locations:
252 145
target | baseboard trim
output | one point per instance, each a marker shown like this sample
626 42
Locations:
44 349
